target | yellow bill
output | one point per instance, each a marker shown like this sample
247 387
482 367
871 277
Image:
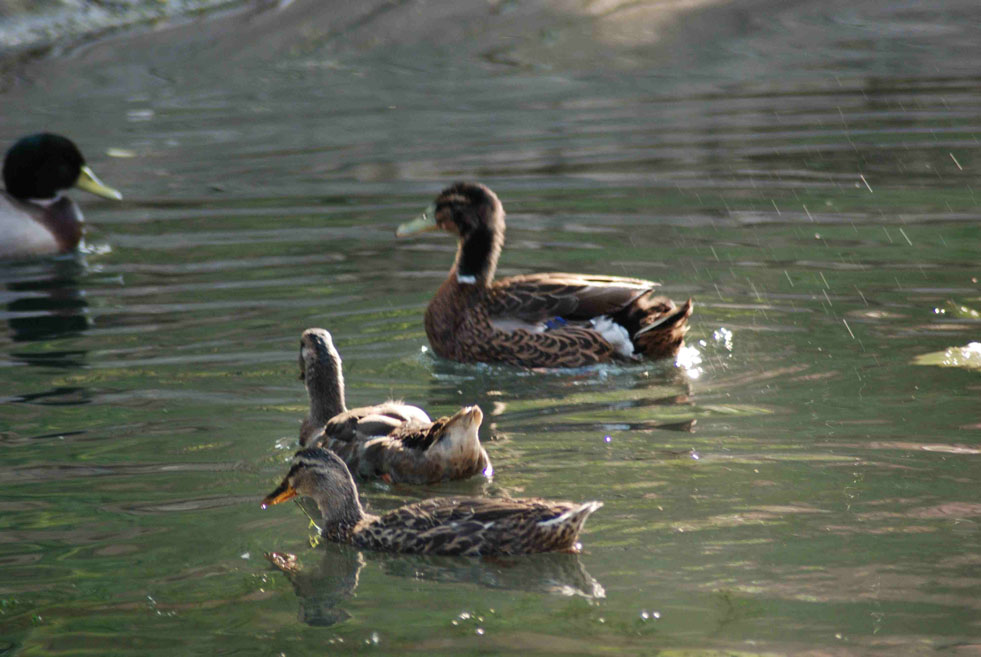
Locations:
88 181
424 223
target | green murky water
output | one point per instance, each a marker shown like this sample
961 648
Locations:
797 484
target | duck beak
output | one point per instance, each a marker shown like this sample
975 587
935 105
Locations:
424 223
88 181
281 494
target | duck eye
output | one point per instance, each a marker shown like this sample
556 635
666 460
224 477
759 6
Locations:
449 219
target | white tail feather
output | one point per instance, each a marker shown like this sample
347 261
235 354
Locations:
615 334
585 509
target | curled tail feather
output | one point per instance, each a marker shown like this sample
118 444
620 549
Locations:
657 327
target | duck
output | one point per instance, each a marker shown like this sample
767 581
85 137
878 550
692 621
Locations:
36 218
548 320
448 526
393 441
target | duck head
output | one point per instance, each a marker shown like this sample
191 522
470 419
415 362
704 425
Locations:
474 214
320 474
43 166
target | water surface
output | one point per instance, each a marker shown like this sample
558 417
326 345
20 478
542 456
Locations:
795 484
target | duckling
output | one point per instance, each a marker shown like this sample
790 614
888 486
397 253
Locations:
36 217
536 320
394 441
469 526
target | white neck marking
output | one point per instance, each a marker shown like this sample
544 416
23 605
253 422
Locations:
46 202
466 280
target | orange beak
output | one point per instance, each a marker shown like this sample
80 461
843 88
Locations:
281 494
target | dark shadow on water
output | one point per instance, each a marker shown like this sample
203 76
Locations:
68 396
67 359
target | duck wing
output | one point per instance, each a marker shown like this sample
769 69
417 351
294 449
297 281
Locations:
360 424
477 526
541 297
419 436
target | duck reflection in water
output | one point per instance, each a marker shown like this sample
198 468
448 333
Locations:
647 398
43 301
323 587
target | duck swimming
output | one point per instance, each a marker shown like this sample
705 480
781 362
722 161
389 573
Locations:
536 320
394 441
36 217
470 526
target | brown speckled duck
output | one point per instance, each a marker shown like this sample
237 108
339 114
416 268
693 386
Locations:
394 441
537 320
36 217
469 526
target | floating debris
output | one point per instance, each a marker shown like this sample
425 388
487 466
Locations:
124 153
956 310
968 357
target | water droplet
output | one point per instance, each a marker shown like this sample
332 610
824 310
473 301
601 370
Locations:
723 336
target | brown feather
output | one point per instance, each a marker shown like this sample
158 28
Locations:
539 297
476 527
448 449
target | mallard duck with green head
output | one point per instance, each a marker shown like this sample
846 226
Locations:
394 441
36 217
536 320
469 526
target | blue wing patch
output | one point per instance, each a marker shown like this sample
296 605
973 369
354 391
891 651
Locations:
555 322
